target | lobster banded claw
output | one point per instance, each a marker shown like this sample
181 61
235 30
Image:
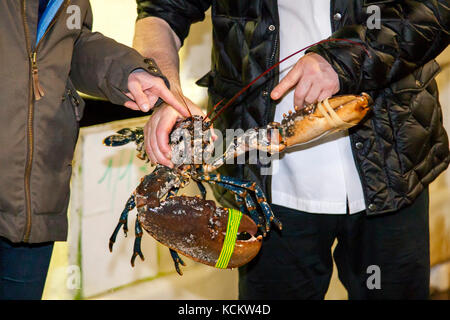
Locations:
196 228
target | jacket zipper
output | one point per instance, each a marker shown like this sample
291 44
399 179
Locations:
271 113
34 90
37 89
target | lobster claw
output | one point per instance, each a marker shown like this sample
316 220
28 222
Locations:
123 136
116 140
197 229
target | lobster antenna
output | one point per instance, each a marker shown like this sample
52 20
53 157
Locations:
213 109
184 101
278 63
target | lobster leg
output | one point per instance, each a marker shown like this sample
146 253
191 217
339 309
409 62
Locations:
202 189
177 261
172 192
123 221
246 203
251 186
240 202
175 257
137 243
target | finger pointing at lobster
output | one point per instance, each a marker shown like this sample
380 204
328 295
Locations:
145 90
312 78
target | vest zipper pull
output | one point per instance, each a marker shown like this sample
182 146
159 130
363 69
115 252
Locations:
37 89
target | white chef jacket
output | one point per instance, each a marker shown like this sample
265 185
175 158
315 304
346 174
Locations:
321 176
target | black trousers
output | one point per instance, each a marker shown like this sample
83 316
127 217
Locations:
379 257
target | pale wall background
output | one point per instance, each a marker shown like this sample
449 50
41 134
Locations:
96 201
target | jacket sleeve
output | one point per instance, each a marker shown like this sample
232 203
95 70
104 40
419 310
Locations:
179 14
411 34
101 66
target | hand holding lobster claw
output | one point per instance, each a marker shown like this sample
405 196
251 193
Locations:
300 126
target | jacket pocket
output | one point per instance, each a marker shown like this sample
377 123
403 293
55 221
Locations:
52 169
53 192
75 100
418 80
412 113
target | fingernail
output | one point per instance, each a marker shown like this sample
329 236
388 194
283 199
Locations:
146 107
168 155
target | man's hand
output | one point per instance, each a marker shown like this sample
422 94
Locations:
158 128
155 38
313 79
145 89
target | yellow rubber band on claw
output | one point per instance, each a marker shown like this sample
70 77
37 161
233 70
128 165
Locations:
234 220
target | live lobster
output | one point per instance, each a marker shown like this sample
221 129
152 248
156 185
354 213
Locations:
196 227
